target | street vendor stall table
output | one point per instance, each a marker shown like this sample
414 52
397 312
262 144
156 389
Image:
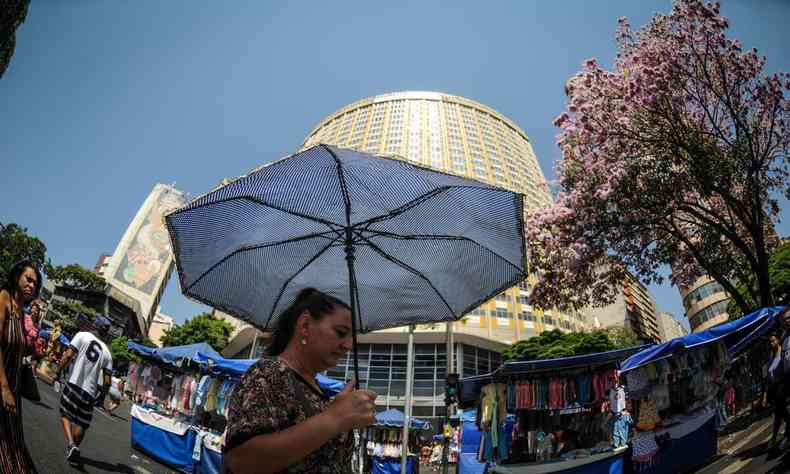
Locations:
185 444
554 402
385 456
679 385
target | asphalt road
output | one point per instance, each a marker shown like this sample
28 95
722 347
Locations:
106 448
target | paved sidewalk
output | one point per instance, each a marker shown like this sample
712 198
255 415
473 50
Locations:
743 448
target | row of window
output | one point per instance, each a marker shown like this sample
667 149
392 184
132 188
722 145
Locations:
699 294
382 367
711 311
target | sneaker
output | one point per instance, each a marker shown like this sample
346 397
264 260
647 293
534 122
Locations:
72 453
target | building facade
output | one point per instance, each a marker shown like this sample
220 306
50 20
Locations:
633 308
159 325
669 327
705 302
465 138
143 261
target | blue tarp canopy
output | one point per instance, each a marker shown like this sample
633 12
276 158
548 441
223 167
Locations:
598 358
236 367
736 336
44 333
174 355
140 349
393 418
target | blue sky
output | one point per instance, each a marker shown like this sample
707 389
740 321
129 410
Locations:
104 99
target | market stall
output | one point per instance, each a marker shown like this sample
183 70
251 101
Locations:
181 396
565 414
383 442
678 392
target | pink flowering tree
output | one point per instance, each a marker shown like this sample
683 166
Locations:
675 156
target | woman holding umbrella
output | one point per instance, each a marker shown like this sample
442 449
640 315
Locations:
279 419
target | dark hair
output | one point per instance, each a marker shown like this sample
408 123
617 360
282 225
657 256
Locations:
316 303
12 277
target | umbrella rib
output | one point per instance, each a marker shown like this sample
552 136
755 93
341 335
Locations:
436 237
289 280
245 248
410 269
329 224
409 205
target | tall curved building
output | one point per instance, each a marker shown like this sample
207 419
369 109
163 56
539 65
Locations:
465 138
705 302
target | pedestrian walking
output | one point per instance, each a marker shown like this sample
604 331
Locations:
116 393
279 420
86 386
22 285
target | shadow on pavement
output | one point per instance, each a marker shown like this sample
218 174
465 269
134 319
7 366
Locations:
107 467
784 465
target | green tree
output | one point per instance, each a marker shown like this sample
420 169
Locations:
15 245
201 328
121 355
12 14
75 276
68 312
555 344
778 276
622 337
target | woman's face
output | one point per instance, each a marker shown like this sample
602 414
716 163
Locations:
35 311
27 284
329 338
774 341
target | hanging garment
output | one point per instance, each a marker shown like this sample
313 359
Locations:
584 388
617 400
621 429
645 448
637 380
511 397
648 415
202 390
661 396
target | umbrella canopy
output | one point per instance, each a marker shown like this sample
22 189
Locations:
401 244
393 418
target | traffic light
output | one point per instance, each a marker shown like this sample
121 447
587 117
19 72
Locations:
451 390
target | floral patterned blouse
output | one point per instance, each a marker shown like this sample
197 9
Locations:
272 397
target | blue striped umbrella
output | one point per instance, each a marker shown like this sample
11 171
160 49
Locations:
400 243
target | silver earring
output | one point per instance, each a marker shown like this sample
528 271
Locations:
304 341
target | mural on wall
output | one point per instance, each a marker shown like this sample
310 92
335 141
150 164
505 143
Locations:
149 254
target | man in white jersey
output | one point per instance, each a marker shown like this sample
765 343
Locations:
87 383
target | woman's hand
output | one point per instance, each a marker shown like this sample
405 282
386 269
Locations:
353 408
9 401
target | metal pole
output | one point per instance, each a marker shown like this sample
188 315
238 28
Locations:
450 351
407 407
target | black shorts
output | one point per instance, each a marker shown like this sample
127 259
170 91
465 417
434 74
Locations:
77 405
